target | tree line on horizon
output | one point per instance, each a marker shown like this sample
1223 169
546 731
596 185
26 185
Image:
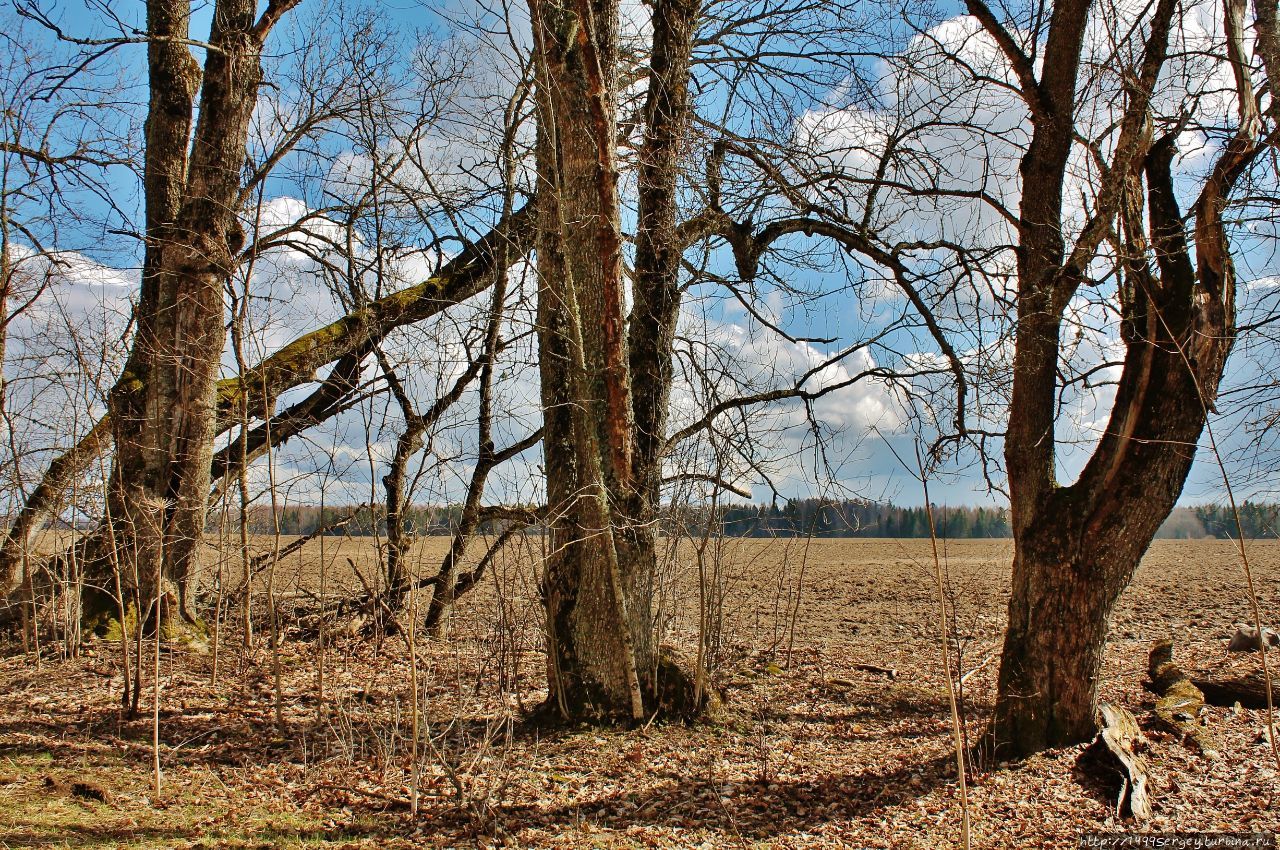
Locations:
845 518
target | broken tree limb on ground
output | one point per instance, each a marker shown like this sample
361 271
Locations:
1121 736
1249 690
1180 701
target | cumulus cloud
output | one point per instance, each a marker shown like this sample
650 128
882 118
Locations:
933 150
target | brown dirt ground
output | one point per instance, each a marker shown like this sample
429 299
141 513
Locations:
811 751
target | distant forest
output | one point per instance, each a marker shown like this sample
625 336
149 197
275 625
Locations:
858 518
855 518
800 517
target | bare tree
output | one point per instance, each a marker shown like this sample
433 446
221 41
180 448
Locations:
601 431
290 138
164 404
1078 545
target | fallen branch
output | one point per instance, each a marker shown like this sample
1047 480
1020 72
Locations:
1181 702
1250 691
264 560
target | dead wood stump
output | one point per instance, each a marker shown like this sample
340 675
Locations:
677 688
1122 738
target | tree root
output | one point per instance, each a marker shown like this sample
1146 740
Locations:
677 689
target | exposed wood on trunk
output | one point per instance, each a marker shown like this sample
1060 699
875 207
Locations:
592 664
605 397
595 48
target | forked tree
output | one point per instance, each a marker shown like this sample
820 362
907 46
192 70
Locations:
164 406
605 378
607 374
1077 545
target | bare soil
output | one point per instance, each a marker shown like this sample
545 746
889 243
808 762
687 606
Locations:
820 745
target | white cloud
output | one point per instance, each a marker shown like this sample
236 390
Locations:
945 117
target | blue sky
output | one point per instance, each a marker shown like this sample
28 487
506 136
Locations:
859 456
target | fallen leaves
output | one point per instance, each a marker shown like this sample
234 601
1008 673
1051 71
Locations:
819 748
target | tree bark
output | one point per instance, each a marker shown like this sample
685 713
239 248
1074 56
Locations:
592 662
1076 547
136 482
164 407
605 383
654 313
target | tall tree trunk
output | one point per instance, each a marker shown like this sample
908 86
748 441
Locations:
655 311
603 437
164 408
174 78
591 631
1076 547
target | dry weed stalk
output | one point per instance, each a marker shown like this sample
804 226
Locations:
409 637
271 575
944 634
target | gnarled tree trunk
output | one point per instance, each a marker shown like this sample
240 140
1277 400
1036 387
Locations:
1076 547
605 386
164 407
